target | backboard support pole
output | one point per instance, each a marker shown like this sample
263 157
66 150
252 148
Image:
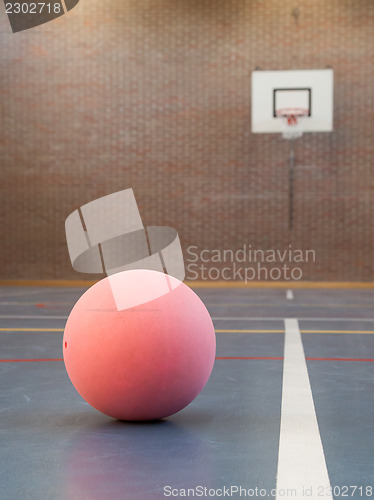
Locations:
291 171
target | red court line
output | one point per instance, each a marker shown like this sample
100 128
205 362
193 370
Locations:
61 306
247 357
308 359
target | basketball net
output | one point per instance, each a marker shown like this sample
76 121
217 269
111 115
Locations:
292 121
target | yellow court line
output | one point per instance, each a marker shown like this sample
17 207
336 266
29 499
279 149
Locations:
204 284
217 331
302 331
62 329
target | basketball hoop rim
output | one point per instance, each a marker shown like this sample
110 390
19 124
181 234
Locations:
292 119
287 112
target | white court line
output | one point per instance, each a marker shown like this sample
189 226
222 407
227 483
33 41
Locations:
301 460
289 295
246 318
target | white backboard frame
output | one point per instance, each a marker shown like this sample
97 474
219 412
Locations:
316 83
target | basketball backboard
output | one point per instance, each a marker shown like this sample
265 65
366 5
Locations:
275 92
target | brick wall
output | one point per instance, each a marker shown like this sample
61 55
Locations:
155 95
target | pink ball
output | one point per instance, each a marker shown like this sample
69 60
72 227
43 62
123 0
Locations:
144 362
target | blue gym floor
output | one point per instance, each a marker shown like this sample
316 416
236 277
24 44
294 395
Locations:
55 446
